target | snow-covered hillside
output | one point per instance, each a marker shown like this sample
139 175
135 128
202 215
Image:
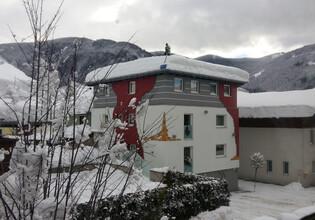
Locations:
14 89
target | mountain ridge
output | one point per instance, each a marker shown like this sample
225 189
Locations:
293 70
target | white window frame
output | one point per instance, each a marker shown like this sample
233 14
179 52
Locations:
228 94
131 119
224 121
181 87
197 89
132 87
268 167
283 168
224 150
216 89
106 90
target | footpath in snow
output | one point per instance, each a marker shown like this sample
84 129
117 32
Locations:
269 202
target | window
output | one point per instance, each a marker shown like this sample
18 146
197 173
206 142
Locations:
313 166
269 166
227 91
132 147
213 89
312 136
220 121
188 159
132 87
0 131
188 127
106 90
285 168
220 150
194 86
131 119
121 117
103 89
104 121
178 84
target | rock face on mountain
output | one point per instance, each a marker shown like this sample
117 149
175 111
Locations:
90 55
277 72
294 70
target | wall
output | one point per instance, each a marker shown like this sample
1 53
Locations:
205 137
278 144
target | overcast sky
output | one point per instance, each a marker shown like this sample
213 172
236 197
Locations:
229 28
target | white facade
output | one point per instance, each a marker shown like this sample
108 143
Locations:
205 136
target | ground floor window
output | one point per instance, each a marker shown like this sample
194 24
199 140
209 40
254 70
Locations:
285 168
188 162
269 166
220 150
313 166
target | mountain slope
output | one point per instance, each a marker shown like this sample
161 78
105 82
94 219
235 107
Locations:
90 56
277 72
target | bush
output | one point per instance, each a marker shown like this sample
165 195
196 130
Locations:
185 196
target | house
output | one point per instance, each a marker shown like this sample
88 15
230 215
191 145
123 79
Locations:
8 127
181 113
281 126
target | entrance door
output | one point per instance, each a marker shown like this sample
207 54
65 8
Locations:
188 160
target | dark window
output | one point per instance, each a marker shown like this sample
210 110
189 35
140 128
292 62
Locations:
269 166
220 121
132 87
285 168
220 150
131 119
188 127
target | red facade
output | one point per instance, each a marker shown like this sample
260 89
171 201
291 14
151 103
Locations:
230 103
122 91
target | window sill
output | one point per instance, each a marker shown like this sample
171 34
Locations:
220 156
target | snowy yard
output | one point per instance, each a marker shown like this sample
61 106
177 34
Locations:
268 200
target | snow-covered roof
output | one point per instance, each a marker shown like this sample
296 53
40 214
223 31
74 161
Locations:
173 63
298 103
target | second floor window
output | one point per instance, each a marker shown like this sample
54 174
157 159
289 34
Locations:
213 89
132 87
178 84
227 90
194 86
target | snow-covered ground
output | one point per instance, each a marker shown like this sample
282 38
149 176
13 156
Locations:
269 202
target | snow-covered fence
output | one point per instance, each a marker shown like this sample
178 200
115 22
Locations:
179 199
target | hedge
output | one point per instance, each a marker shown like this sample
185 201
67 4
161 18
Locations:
184 196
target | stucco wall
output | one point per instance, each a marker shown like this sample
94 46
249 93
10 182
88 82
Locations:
205 137
278 144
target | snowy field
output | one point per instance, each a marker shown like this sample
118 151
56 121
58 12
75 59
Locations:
269 202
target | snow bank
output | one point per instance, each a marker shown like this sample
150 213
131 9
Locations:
148 65
222 213
295 186
299 103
